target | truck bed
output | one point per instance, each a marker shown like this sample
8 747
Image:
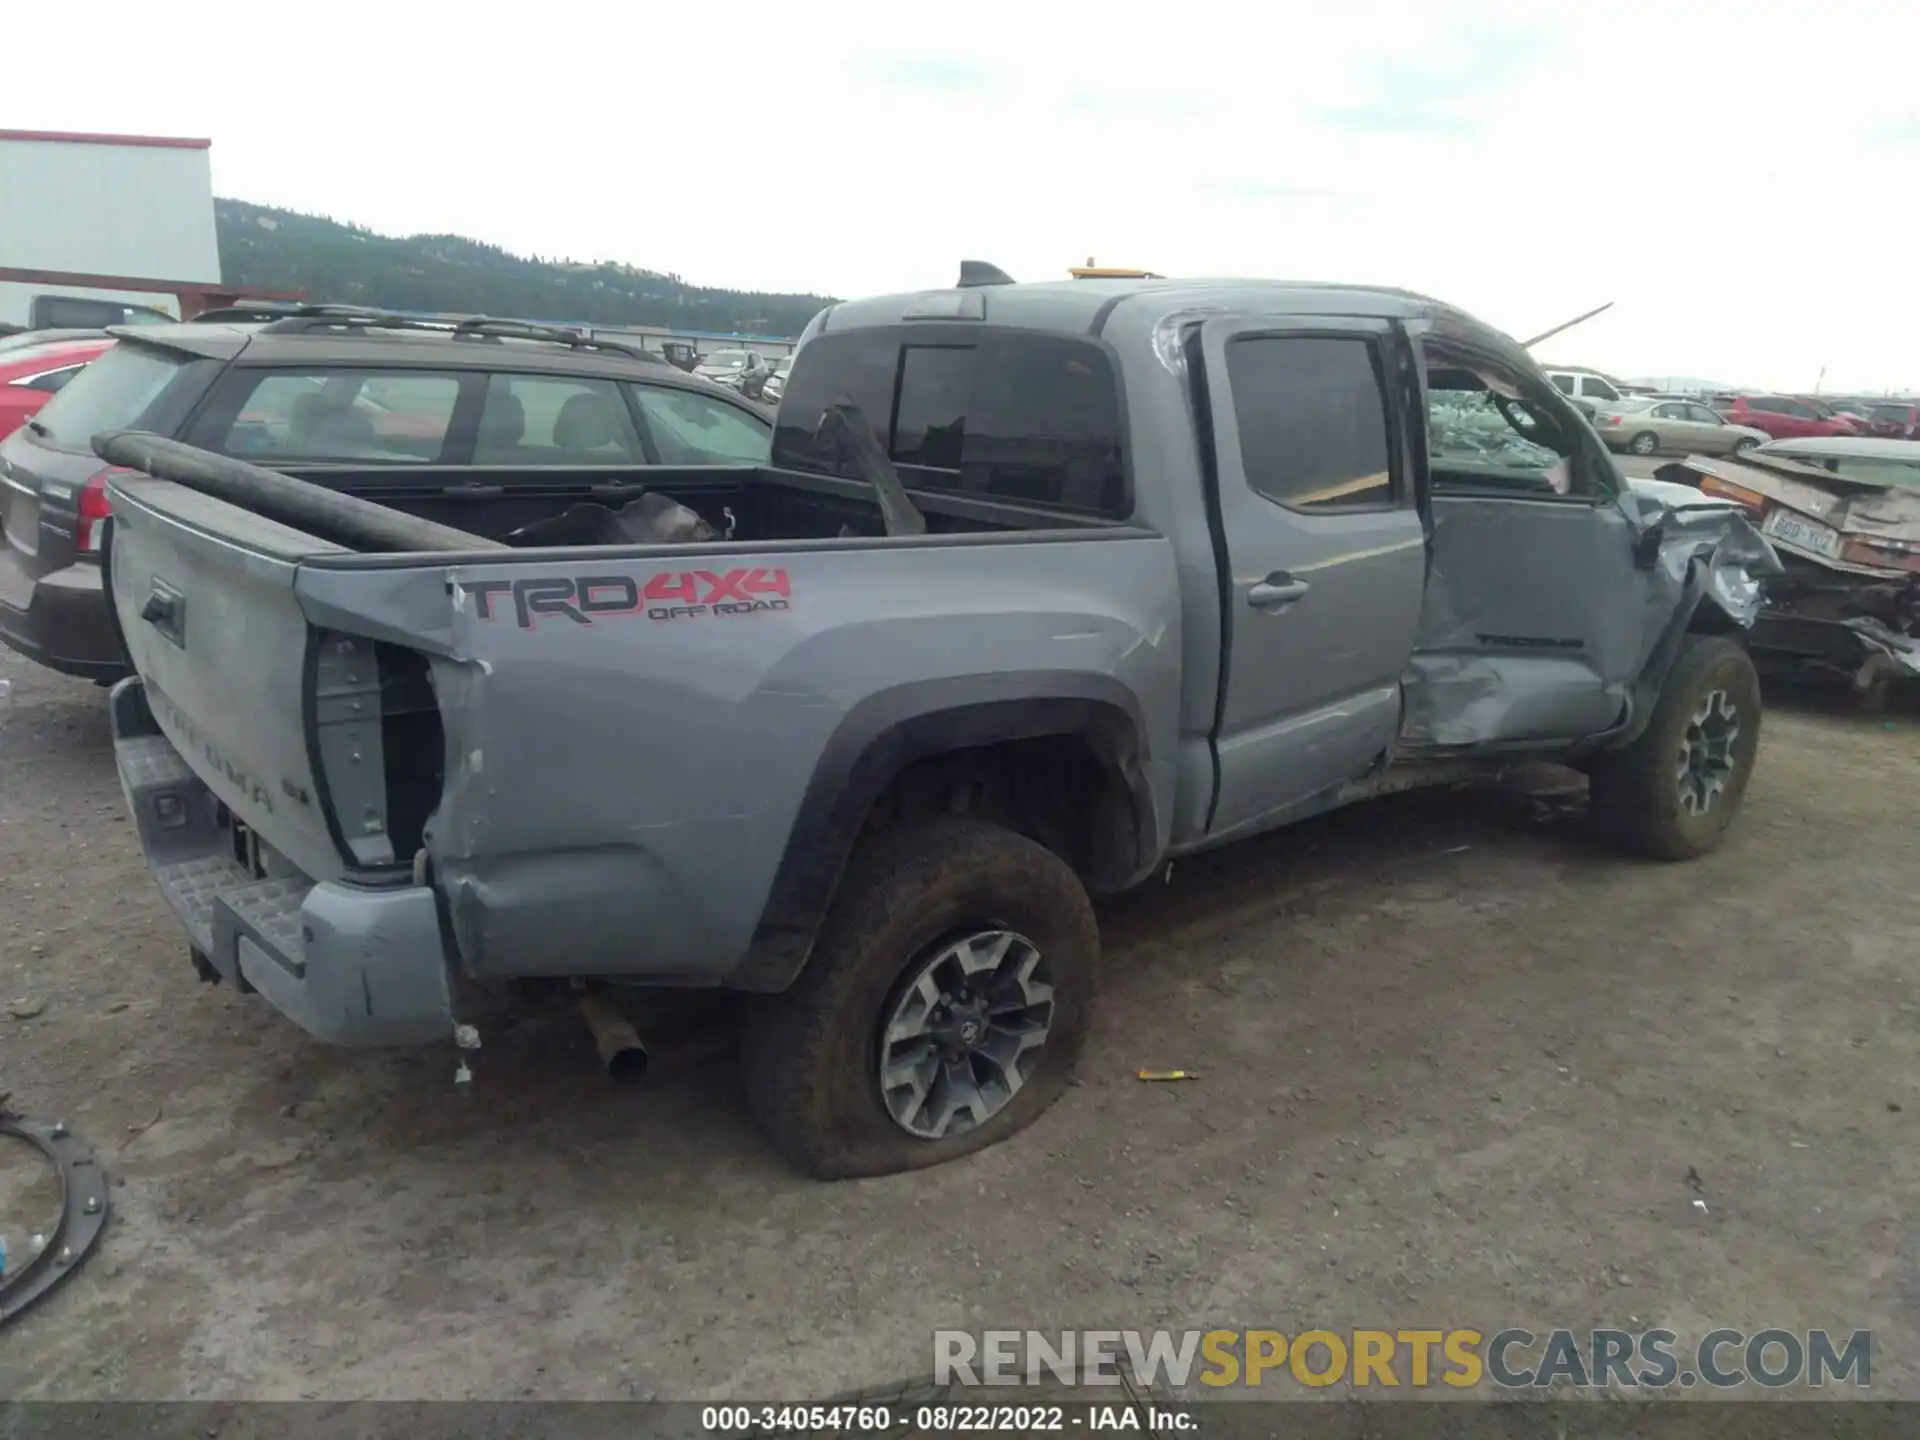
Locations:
751 504
355 771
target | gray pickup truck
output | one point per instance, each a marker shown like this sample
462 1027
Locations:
1045 585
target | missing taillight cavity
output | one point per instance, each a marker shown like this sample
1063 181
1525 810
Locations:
377 746
415 746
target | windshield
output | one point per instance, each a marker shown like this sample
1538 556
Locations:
110 394
725 360
1902 474
1894 414
783 365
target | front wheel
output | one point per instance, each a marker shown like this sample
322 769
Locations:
1673 792
942 1008
1645 443
1744 444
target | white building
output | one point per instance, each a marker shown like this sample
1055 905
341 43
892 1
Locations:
126 219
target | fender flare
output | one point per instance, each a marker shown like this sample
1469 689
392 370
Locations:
884 734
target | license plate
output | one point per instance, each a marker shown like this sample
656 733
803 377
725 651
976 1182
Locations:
1802 533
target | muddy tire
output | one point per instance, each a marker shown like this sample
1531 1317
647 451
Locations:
1645 443
956 954
1673 792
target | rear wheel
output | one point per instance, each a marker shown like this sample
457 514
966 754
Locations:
1645 443
1673 792
941 1011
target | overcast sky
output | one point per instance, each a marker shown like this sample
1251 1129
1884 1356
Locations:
1738 178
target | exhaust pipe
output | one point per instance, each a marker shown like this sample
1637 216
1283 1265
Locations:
620 1048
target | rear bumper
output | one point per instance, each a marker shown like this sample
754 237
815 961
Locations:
349 964
59 620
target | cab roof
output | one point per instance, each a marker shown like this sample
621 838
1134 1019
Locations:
1090 306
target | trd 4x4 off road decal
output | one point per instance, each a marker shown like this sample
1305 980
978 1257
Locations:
670 595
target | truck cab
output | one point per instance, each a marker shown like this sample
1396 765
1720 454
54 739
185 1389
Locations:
1043 586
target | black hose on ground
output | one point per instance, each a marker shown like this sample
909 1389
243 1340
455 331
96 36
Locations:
299 503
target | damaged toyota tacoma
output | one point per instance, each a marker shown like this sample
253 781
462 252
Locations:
1045 585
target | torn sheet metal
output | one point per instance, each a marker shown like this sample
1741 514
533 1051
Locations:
1878 525
1889 651
1847 599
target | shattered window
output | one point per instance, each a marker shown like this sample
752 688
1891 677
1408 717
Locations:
1479 434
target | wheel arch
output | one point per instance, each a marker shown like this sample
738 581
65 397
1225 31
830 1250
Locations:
884 737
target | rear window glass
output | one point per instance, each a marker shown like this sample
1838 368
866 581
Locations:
690 429
110 394
386 417
1032 418
554 420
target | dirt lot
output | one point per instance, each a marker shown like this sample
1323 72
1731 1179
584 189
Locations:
1456 1068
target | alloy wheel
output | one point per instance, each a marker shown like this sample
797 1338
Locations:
968 1029
1706 753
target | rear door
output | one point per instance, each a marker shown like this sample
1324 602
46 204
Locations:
1796 419
1710 434
1326 556
1676 428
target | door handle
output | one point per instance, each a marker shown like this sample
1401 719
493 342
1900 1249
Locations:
1276 591
166 611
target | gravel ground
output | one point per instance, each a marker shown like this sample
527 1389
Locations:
1456 1065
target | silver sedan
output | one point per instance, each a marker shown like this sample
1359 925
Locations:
1650 426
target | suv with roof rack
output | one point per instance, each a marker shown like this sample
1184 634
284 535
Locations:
336 391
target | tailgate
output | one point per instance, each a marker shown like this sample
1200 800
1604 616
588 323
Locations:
203 592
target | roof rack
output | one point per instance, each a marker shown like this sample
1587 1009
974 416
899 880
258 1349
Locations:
307 319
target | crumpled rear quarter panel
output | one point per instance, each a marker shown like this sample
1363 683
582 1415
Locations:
620 789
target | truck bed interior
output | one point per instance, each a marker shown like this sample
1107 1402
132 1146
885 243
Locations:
749 504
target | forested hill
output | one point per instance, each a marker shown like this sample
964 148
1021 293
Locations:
269 249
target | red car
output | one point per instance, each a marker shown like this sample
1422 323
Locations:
1786 418
30 375
1895 420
